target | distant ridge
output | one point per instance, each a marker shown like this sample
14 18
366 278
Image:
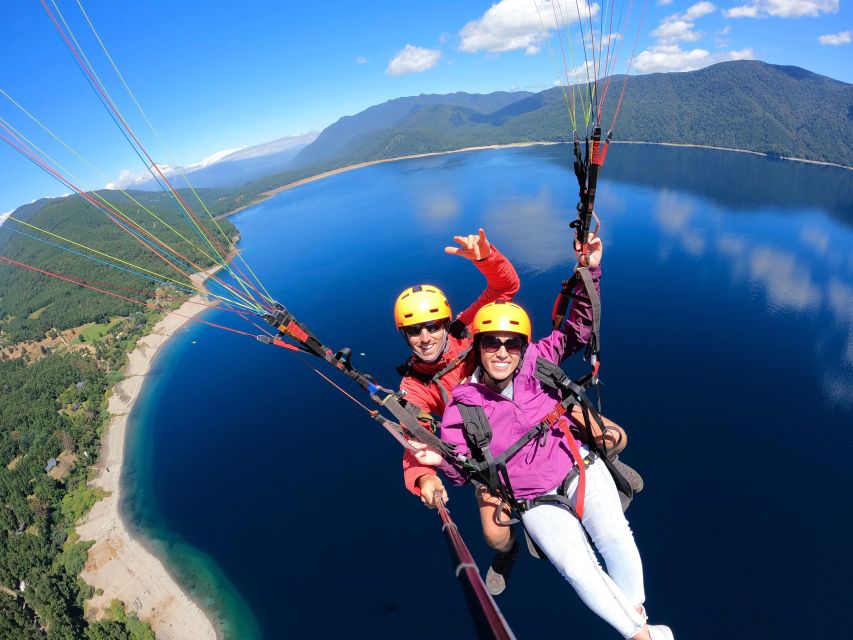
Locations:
338 138
747 105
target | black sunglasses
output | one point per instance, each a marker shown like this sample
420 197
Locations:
492 344
432 327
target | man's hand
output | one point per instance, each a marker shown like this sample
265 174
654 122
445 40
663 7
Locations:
425 454
431 486
474 247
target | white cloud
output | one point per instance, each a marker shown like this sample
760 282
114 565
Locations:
744 11
360 60
670 57
211 159
836 38
412 59
679 26
664 3
667 55
3 217
128 178
699 10
740 54
721 40
516 24
783 8
675 30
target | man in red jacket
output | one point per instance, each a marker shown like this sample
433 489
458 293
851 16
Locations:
441 358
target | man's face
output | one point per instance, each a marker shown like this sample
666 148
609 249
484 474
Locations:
427 339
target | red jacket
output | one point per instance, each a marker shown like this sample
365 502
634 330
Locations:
502 283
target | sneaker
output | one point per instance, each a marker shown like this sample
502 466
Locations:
630 474
498 574
660 632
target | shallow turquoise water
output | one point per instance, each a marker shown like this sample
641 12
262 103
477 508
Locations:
727 355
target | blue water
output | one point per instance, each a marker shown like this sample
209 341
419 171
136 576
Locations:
727 356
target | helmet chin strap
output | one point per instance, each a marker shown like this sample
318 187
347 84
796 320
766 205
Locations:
437 355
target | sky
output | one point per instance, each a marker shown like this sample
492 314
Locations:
217 76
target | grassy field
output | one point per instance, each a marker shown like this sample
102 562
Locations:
94 332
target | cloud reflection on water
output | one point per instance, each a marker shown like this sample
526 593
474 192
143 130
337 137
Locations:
787 283
534 230
439 208
790 277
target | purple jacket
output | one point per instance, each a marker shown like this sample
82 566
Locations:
534 469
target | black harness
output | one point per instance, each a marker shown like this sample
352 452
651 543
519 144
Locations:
490 470
561 307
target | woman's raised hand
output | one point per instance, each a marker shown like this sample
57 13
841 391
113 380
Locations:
596 250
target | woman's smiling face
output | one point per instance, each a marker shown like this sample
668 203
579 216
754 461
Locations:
500 353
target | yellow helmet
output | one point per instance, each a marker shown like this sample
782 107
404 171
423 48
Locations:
502 316
421 303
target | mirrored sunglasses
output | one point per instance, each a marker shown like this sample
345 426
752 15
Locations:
432 327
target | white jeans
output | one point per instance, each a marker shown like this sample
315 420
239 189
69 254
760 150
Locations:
558 533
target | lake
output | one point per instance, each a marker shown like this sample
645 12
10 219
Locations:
727 355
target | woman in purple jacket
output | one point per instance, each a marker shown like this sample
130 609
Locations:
505 422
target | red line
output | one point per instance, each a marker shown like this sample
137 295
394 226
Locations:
630 64
99 88
121 297
112 213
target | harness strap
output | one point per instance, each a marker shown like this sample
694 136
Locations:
579 464
478 434
561 303
573 393
594 345
407 369
561 497
561 307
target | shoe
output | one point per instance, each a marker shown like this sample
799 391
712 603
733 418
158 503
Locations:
498 574
630 474
660 632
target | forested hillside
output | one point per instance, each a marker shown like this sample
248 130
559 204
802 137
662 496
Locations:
52 413
32 303
749 105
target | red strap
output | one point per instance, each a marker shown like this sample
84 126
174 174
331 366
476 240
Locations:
555 414
576 454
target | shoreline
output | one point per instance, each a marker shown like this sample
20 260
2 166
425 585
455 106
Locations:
265 195
118 563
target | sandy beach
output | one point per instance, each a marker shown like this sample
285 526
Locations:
326 174
117 563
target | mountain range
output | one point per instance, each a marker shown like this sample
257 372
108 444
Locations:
228 168
749 105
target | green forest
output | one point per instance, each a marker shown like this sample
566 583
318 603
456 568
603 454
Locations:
53 401
31 304
54 408
748 105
